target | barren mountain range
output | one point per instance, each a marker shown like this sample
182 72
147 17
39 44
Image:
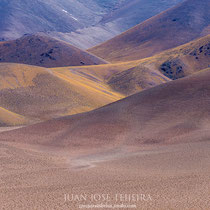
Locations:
130 115
178 25
41 50
82 23
177 111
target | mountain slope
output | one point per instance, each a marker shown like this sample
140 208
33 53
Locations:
39 94
183 60
134 76
123 15
178 25
126 78
174 112
8 118
41 50
136 79
76 20
134 12
28 16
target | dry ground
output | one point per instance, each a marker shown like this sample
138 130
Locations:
175 176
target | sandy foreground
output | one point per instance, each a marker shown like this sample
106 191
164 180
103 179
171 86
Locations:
162 177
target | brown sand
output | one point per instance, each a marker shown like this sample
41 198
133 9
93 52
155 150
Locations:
176 177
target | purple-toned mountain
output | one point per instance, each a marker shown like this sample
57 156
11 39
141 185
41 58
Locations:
178 25
83 23
41 50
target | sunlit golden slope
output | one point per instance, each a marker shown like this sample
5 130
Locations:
133 76
126 78
8 118
136 79
41 50
174 112
41 94
172 64
103 71
183 23
183 60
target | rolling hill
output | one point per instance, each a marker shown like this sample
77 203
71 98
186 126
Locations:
134 12
41 50
28 16
183 60
136 79
74 21
122 15
174 112
126 78
183 23
39 94
73 122
8 118
134 76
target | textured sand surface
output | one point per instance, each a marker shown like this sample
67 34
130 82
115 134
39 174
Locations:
176 176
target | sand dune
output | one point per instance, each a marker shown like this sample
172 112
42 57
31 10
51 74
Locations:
171 28
41 50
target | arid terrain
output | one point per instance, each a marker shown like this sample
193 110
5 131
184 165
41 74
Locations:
83 23
175 176
41 50
122 125
180 24
154 143
39 94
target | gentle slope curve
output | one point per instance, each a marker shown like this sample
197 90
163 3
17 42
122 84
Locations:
174 112
183 23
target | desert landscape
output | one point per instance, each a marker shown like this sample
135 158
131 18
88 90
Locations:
105 105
